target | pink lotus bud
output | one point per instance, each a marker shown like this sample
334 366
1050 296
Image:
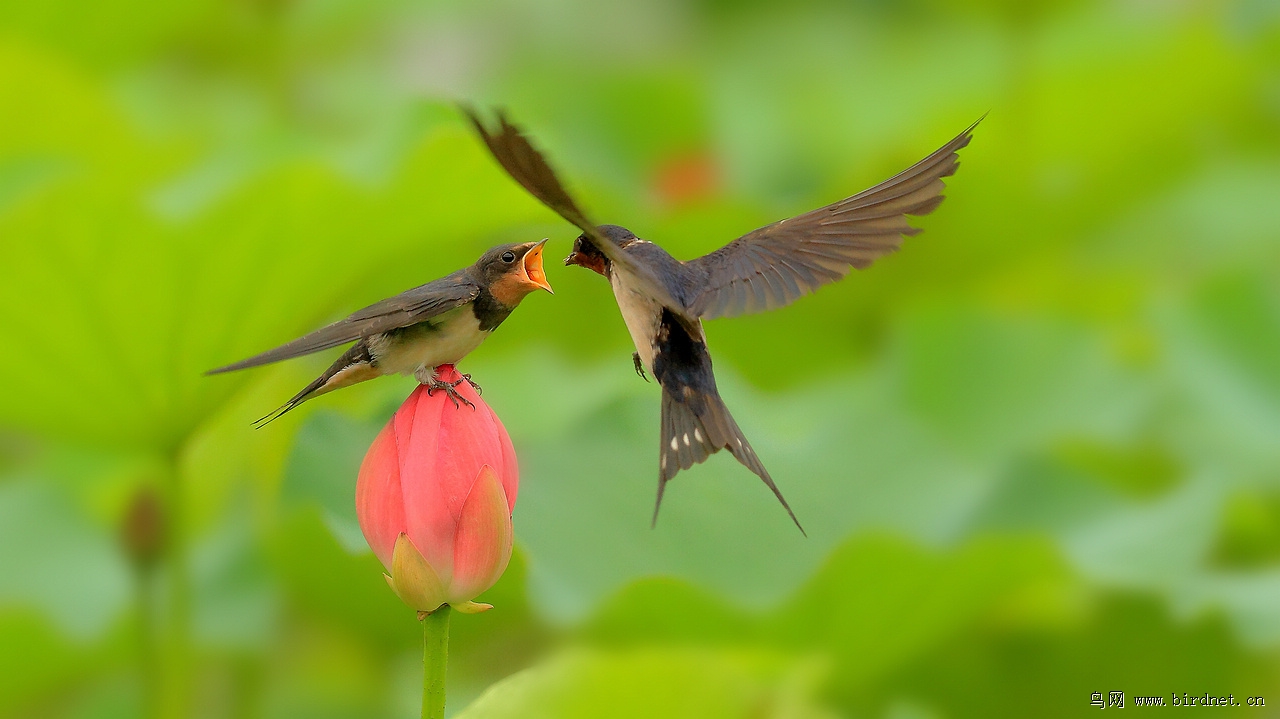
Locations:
435 496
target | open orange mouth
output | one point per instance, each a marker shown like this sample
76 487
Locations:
533 268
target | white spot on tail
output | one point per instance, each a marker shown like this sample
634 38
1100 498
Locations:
674 445
664 460
697 434
686 439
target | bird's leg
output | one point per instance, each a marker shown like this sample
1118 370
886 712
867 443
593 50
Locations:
474 386
635 357
433 383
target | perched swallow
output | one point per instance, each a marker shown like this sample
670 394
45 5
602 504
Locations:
663 300
419 329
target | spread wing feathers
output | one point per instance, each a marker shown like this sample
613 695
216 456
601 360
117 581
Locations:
776 264
527 166
697 426
407 308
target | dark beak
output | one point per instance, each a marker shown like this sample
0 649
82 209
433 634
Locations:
572 259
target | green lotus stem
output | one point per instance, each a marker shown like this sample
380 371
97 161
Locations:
142 536
176 688
435 661
148 643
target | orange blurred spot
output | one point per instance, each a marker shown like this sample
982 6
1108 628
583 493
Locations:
686 178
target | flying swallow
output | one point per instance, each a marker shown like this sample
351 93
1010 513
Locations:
417 330
664 300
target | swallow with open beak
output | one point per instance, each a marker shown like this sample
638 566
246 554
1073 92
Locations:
417 330
664 300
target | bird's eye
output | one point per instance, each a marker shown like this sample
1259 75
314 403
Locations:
508 256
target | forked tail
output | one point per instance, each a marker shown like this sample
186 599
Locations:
696 425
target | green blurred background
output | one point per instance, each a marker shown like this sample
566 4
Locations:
1037 451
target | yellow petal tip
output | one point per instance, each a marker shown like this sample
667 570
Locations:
472 607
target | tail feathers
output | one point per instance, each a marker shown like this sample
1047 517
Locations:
696 426
346 370
296 400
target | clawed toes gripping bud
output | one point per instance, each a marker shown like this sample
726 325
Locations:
450 390
474 386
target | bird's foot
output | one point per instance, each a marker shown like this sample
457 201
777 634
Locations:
474 386
635 357
450 390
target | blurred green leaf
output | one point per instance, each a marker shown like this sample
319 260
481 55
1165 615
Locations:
991 385
1250 534
36 659
237 600
1124 644
53 558
323 581
658 682
876 604
322 469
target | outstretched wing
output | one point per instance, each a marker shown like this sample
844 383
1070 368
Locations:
526 166
778 263
407 308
